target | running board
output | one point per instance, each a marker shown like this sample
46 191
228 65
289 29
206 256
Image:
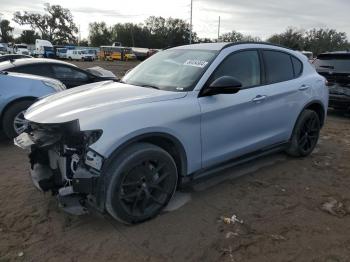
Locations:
208 172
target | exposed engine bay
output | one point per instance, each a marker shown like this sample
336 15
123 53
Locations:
62 162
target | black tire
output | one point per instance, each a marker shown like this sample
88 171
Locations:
305 134
10 115
141 182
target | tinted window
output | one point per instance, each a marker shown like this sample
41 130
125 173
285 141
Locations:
298 66
244 66
65 72
336 62
278 66
37 69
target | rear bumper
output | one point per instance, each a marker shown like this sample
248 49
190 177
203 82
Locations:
339 101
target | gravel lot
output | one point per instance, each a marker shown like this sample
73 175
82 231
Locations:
119 68
288 210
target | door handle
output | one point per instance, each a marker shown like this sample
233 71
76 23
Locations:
259 98
304 87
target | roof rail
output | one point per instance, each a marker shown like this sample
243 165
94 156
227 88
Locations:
250 42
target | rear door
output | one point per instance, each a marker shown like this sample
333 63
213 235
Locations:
288 90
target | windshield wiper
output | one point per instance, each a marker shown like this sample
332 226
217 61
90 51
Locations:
150 86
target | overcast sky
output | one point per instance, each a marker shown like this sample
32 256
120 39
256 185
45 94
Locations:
254 17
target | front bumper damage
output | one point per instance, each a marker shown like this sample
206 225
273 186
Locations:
62 162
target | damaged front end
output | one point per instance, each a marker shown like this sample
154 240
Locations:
62 162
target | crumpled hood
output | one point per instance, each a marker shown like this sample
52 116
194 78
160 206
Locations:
84 101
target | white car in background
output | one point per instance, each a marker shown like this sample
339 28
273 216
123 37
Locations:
17 93
81 55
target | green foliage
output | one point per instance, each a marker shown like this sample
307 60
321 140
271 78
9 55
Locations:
235 37
291 38
56 25
322 40
314 40
156 32
84 42
100 34
6 31
28 37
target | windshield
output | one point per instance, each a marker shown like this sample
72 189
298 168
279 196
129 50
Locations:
334 62
172 70
21 46
48 48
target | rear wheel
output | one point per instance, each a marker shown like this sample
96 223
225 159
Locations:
305 135
13 122
142 180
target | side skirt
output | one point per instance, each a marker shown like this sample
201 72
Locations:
208 172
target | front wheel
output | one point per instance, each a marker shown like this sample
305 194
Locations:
141 182
305 134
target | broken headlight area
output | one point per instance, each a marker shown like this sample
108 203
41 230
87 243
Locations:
63 163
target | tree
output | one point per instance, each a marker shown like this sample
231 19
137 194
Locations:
100 34
156 32
28 37
291 38
169 32
233 36
56 25
6 31
84 42
130 34
322 40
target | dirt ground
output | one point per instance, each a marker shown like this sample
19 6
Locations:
287 210
119 68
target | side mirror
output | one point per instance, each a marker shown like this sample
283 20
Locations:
223 85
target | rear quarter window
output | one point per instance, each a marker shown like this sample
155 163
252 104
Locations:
278 66
298 66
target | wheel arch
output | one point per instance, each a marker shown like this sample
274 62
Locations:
14 101
166 141
318 107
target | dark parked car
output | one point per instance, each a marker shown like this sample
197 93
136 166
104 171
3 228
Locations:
12 57
69 74
335 66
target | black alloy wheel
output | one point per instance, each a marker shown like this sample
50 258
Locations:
305 135
142 184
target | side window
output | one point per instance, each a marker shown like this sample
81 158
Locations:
244 66
298 66
63 72
37 69
278 66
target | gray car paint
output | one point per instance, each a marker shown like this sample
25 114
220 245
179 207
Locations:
211 129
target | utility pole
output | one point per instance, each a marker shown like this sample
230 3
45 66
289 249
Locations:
191 23
79 37
219 29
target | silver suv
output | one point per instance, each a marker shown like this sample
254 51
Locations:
125 147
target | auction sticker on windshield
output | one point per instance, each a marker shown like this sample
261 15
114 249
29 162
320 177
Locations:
196 63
